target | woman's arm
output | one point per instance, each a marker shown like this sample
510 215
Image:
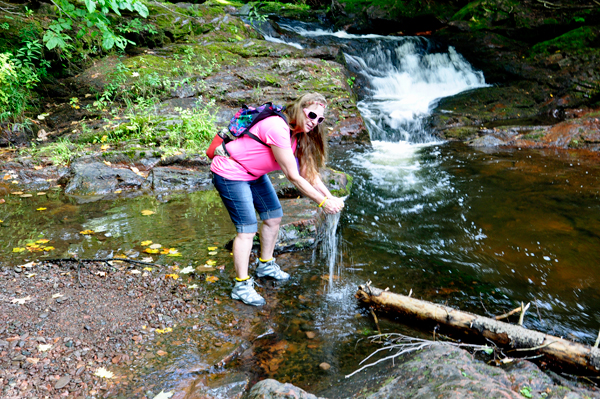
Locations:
287 161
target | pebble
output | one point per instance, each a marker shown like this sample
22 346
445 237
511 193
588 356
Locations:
62 382
325 366
43 315
310 334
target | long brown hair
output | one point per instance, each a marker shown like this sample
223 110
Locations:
311 150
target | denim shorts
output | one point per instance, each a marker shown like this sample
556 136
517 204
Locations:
244 198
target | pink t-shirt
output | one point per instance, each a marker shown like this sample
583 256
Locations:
255 157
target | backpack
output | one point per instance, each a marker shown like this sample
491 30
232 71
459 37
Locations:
240 125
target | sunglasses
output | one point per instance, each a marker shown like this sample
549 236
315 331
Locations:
313 115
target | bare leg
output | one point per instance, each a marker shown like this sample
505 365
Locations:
242 246
268 237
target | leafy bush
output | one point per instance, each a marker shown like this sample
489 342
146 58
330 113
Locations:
15 88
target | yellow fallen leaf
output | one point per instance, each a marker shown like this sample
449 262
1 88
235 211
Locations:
212 279
1 221
212 248
151 251
26 195
147 212
103 373
87 232
146 243
32 245
44 347
211 253
166 330
42 241
7 177
107 163
41 209
120 256
15 182
118 191
104 147
165 251
41 193
148 269
176 254
17 192
211 262
30 275
48 248
37 167
173 276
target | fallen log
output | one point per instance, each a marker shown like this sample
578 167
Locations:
504 334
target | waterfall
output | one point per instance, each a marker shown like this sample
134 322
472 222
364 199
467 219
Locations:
404 77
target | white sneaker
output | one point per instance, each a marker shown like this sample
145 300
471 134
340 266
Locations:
244 291
270 269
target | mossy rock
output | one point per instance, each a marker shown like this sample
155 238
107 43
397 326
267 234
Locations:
460 133
577 40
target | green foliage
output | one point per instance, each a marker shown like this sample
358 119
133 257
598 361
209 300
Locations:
61 152
526 392
91 18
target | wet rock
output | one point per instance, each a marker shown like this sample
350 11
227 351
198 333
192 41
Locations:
166 179
272 389
324 366
95 178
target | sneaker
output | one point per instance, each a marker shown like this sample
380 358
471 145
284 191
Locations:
270 269
244 291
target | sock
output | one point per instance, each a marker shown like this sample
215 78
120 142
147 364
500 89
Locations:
241 279
265 260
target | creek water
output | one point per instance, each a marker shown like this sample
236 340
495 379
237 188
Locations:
481 230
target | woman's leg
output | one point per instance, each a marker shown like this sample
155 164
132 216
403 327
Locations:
268 237
242 246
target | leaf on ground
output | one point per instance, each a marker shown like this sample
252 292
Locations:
155 246
120 256
104 147
187 270
41 209
101 274
147 212
32 245
135 272
163 395
44 347
87 232
148 260
42 241
18 249
41 193
107 163
7 177
28 265
211 262
192 286
48 248
33 360
118 191
212 248
30 275
26 195
21 301
146 243
161 352
151 251
166 330
148 269
211 253
58 295
174 254
173 276
104 373
212 279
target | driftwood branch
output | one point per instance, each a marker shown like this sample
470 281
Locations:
508 314
502 334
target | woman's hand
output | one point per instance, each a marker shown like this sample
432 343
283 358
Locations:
333 205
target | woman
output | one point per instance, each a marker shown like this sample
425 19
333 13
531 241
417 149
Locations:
299 150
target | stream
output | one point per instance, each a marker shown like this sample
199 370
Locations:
477 229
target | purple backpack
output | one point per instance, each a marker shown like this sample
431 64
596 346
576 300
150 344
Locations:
247 117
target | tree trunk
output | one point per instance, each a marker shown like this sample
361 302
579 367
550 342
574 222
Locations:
504 334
